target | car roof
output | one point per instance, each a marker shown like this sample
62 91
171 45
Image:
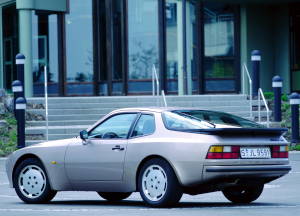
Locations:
155 109
141 109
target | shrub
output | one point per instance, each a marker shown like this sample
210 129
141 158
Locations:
8 135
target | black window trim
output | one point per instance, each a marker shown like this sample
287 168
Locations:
135 123
122 113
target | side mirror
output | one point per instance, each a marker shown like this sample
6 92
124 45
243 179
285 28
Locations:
84 135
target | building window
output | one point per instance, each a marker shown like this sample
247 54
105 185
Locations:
142 44
45 52
10 44
219 48
181 67
79 48
173 43
191 47
295 48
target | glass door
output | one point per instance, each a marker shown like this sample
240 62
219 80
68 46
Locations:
143 44
181 46
220 51
109 19
295 48
10 44
45 52
117 47
79 49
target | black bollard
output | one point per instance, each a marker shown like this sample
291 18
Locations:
20 61
295 101
20 116
17 89
255 58
277 88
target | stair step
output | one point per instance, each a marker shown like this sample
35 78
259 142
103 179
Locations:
69 115
139 99
56 130
107 110
60 123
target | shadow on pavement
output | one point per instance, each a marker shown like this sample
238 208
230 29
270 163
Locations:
131 203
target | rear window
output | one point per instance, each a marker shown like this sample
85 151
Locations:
221 118
181 121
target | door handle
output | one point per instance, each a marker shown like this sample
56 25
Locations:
118 147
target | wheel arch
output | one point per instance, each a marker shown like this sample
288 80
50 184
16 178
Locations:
28 156
149 158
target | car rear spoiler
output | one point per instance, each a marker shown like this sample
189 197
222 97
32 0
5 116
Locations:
240 131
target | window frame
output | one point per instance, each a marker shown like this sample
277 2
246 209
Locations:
111 116
135 123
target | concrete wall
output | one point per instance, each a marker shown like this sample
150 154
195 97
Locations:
267 29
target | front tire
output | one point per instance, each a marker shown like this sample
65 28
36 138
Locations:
114 196
31 182
243 194
158 184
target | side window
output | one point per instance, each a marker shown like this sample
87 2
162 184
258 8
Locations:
116 127
144 126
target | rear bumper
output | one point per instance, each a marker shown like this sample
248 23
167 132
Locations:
258 172
222 169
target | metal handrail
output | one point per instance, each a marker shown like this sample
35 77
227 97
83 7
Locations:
261 95
46 101
155 80
246 71
164 98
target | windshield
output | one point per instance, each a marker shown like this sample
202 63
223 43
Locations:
220 118
182 121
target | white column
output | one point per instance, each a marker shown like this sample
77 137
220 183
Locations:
25 41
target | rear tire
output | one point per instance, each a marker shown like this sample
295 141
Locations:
114 196
243 194
31 182
158 184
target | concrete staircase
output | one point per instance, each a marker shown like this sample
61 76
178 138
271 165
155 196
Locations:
69 115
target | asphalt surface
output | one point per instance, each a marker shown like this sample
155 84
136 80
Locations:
280 197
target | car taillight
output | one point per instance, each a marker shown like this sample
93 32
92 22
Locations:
223 152
280 151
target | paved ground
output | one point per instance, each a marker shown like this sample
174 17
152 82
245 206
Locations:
281 197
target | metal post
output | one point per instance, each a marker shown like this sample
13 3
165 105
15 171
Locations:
255 58
46 99
277 87
20 61
17 88
20 116
243 80
259 116
153 80
295 101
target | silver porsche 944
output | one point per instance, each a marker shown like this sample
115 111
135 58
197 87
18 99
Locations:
159 152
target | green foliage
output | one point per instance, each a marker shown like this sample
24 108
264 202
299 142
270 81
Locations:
8 135
285 98
295 148
269 95
285 107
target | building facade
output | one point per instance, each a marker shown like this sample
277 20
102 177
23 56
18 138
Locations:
109 47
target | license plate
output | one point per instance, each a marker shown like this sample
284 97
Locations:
255 153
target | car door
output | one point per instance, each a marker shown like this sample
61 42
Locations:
101 156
